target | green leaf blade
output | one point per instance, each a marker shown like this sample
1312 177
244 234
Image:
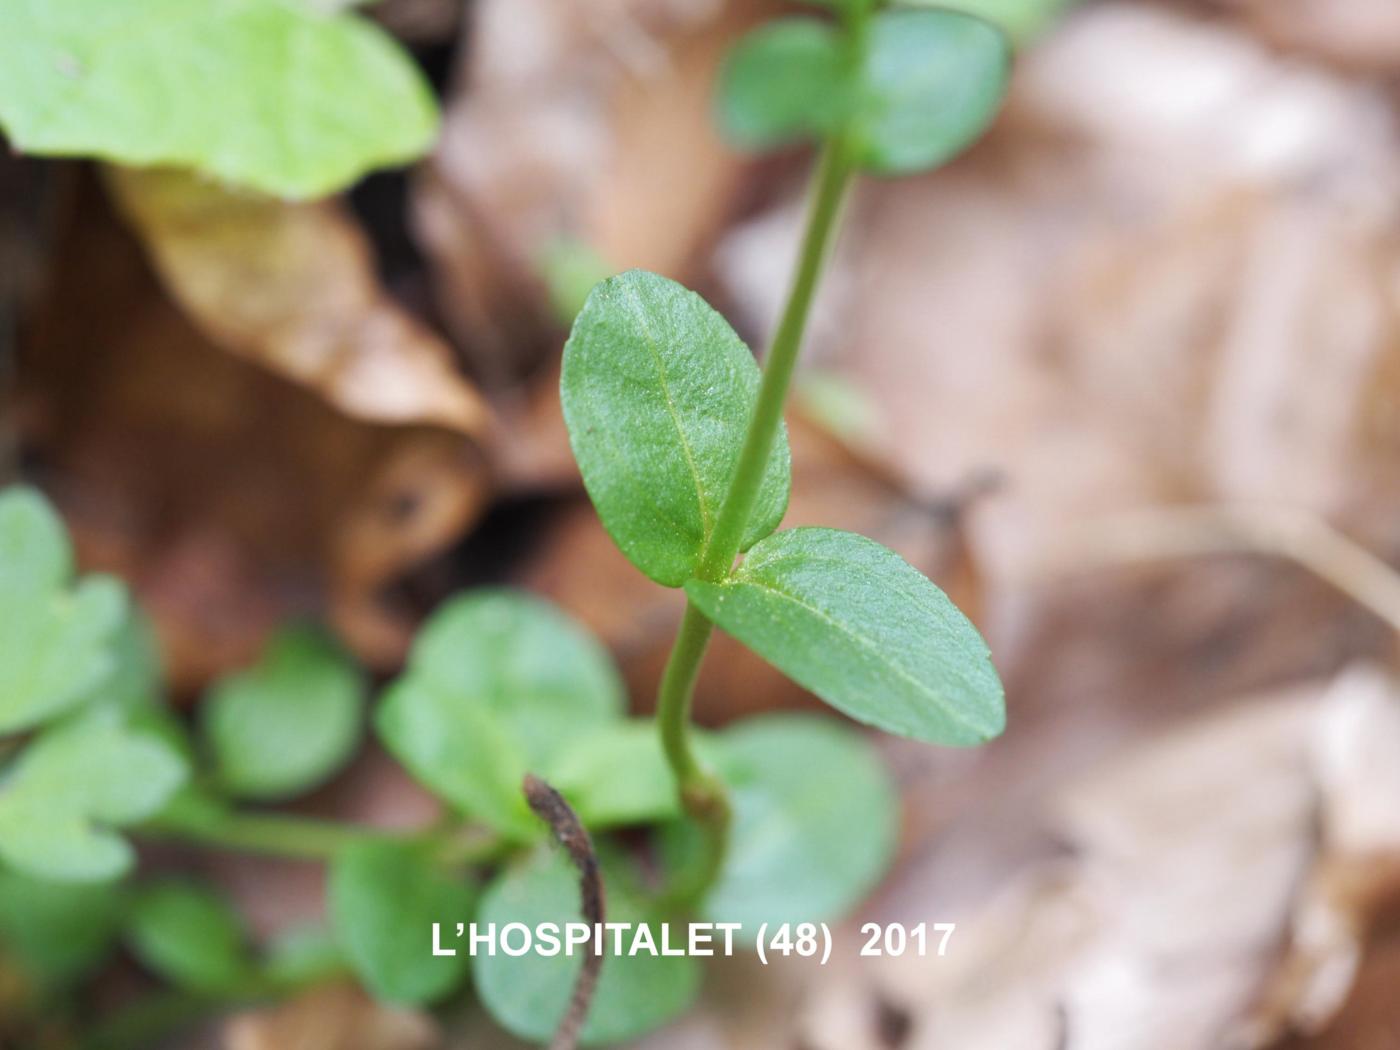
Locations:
269 95
854 623
932 83
191 936
782 83
384 898
528 994
73 784
497 683
290 723
657 392
815 821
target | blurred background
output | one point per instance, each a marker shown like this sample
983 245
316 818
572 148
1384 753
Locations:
1169 278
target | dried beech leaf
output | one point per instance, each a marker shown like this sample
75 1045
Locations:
292 286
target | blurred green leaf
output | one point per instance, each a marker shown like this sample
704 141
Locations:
384 899
267 94
783 82
497 685
815 821
75 782
864 630
58 932
1021 20
55 639
190 936
617 774
932 83
288 724
657 390
305 954
528 993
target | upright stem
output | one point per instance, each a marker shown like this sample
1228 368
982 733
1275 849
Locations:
701 793
833 175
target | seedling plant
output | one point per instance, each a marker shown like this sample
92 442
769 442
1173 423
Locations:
680 440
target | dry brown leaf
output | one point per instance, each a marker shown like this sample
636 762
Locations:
336 1017
292 286
586 122
230 498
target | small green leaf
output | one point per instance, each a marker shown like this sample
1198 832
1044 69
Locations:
58 932
190 936
617 774
528 993
657 392
288 724
931 84
55 640
864 630
71 785
815 821
497 684
267 94
783 82
384 899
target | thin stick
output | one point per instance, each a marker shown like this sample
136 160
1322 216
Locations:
550 807
1298 536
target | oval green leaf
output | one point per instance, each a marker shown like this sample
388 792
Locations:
384 898
815 821
57 932
617 775
657 393
497 683
190 936
528 993
864 630
271 95
781 83
288 724
931 84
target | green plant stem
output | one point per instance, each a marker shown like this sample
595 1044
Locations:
307 838
702 794
833 175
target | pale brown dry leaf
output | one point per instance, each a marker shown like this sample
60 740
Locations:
1360 35
588 122
292 287
335 1017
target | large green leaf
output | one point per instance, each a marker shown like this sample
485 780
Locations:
864 630
270 94
528 993
931 84
784 81
384 898
289 723
657 392
191 936
498 684
815 821
56 640
72 785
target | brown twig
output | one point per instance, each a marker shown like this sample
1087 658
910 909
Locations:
550 807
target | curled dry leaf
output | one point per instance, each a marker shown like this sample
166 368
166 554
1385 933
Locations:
292 286
230 498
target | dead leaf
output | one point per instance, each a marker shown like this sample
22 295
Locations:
292 286
335 1017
